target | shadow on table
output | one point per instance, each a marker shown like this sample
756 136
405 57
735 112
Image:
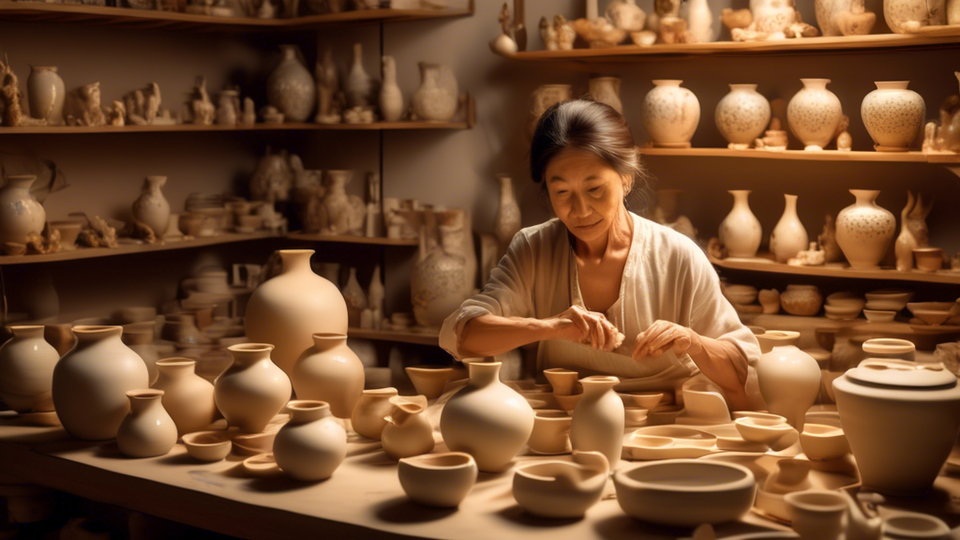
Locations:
278 483
178 459
403 510
626 527
379 458
518 516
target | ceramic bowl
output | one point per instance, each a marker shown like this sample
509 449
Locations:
440 480
69 231
689 436
740 294
821 442
207 445
568 403
558 489
261 465
901 349
896 296
634 416
562 381
933 317
551 432
816 513
848 302
762 430
644 400
685 492
931 306
929 259
777 338
843 312
899 524
430 381
879 315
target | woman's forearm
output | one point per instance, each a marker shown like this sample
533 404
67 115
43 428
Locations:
490 335
723 363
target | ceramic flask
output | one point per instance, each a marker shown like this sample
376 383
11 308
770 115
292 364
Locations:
814 114
45 94
291 88
408 432
893 115
436 98
151 207
391 98
91 381
487 419
253 389
865 230
26 370
740 231
598 419
742 115
312 444
789 237
368 415
331 372
670 114
507 223
20 213
187 397
148 430
789 382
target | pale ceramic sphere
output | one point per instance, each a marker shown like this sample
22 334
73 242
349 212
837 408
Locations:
742 115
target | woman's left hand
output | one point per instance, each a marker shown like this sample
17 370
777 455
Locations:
664 335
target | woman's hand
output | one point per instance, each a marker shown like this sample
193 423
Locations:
664 335
589 328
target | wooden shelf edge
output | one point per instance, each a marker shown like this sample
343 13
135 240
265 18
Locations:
194 128
762 264
913 156
416 338
344 239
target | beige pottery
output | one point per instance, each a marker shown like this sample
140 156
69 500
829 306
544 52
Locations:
187 397
291 88
559 489
551 432
740 231
598 419
893 115
368 415
20 213
670 114
865 230
26 370
814 114
817 514
151 207
437 97
148 430
252 390
312 444
606 90
507 223
331 372
789 382
438 480
45 94
408 432
789 237
742 115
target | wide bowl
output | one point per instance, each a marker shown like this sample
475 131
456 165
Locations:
896 296
558 489
890 348
685 492
430 381
929 259
933 317
843 312
822 442
440 480
931 306
762 430
740 294
644 400
845 301
879 315
207 445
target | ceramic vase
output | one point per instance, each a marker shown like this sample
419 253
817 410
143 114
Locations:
438 282
893 115
147 431
20 213
507 222
814 114
391 98
408 433
436 98
288 309
312 444
789 237
544 97
253 389
359 85
487 419
26 370
789 382
700 21
598 419
91 381
670 114
187 397
45 94
826 10
606 90
865 230
151 207
355 298
368 415
740 231
291 88
331 372
742 115
903 16
340 214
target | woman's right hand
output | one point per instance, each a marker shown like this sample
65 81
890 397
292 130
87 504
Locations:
587 327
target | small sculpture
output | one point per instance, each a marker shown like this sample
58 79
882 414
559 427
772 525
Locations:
828 241
82 106
341 213
844 140
811 257
227 112
566 35
267 10
662 9
272 220
249 115
774 19
200 106
774 138
328 85
273 178
740 18
116 115
140 231
10 96
142 105
548 33
359 115
913 230
625 15
673 30
98 234
505 42
946 136
856 22
716 249
374 218
599 33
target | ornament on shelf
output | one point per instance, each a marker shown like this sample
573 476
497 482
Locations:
774 138
742 115
439 280
700 21
662 9
341 213
10 96
814 114
946 136
82 106
856 21
844 140
228 107
45 93
359 115
812 256
274 177
355 298
271 115
151 207
599 33
558 35
740 18
507 222
116 114
375 295
374 223
907 16
505 42
913 230
789 237
437 97
828 241
249 115
291 88
143 105
328 86
625 15
360 88
391 98
773 20
201 108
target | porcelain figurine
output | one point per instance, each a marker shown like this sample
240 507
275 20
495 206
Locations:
812 256
391 99
913 230
360 88
742 115
814 114
893 115
856 21
507 222
201 108
341 214
700 21
45 94
82 106
905 16
438 480
10 97
505 42
408 432
844 140
544 97
789 237
827 240
557 35
559 489
789 382
151 207
670 114
625 15
369 413
187 397
328 85
291 88
437 97
253 389
20 212
667 212
598 419
740 231
599 32
312 444
673 30
227 113
864 230
26 370
148 430
329 371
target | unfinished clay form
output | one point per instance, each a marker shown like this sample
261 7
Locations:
331 372
312 444
438 480
368 415
560 489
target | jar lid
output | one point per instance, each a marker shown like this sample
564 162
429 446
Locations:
900 373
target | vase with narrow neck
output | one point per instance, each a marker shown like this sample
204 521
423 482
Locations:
45 94
670 114
331 372
740 231
441 280
375 294
607 90
355 298
20 213
789 382
904 16
26 370
742 115
700 21
187 397
487 419
865 230
151 207
789 237
148 430
598 419
368 414
291 88
359 86
814 114
91 381
507 223
253 389
312 444
914 232
391 98
408 433
893 115
436 98
289 308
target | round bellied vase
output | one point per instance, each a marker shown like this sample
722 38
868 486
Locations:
865 230
331 372
670 114
45 94
151 207
148 430
789 382
26 370
187 397
312 444
20 213
436 98
291 88
814 114
904 16
253 389
893 115
742 115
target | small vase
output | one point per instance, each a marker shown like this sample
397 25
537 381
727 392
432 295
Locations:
507 223
375 295
606 90
291 88
45 94
740 231
312 444
864 230
814 114
331 372
914 232
826 10
544 97
148 430
438 281
391 98
26 370
789 237
598 419
359 86
355 298
252 390
742 115
408 432
340 213
789 382
151 207
437 97
187 397
369 412
903 16
893 115
700 21
20 213
670 114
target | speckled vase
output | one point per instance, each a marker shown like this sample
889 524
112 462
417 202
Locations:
436 98
742 115
826 10
151 207
901 15
814 114
670 114
893 115
865 230
740 231
291 88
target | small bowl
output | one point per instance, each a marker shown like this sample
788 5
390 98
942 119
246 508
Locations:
634 416
551 432
821 442
934 317
563 381
816 513
777 338
929 259
914 525
847 302
207 445
897 297
69 231
740 294
568 403
879 315
901 349
261 465
430 381
130 315
644 400
439 480
762 430
843 312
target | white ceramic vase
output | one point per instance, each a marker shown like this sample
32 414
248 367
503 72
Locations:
789 237
700 21
91 381
408 432
45 94
487 419
893 115
437 97
253 389
391 98
359 86
903 16
439 282
606 90
742 115
740 231
789 382
312 444
826 10
331 372
147 431
598 419
368 414
865 230
670 114
26 370
507 222
342 214
291 88
288 309
814 114
20 213
151 207
187 397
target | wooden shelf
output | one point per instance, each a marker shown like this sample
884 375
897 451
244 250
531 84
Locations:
802 155
417 338
188 128
838 270
313 237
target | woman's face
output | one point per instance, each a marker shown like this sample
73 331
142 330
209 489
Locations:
586 193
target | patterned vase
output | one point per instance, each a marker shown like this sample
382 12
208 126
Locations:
814 114
865 230
893 115
742 115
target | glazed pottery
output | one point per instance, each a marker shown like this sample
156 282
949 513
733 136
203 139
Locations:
670 114
685 492
439 480
864 230
187 397
606 90
291 88
598 419
544 97
814 114
312 444
91 381
562 381
429 382
507 221
368 415
801 300
148 430
487 419
789 382
817 514
742 115
700 21
391 98
929 259
904 16
20 213
331 372
901 419
820 442
893 115
789 237
408 432
359 86
826 10
151 207
551 432
740 231
207 446
560 489
45 94
253 389
437 97
26 370
288 309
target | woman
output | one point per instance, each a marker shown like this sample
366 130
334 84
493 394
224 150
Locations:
602 289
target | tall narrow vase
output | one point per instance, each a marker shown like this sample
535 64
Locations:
45 94
26 370
814 114
20 213
789 237
331 372
865 230
507 223
598 419
740 231
148 430
700 21
151 207
391 98
252 390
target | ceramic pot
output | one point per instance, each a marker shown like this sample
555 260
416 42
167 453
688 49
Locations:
487 419
436 98
826 10
551 432
20 213
408 433
789 237
865 230
288 309
359 86
740 231
312 444
151 207
789 382
598 419
438 283
26 370
368 415
187 397
901 422
355 298
439 480
331 372
742 115
252 390
559 489
814 114
900 349
148 430
606 90
544 97
507 222
670 114
45 93
291 88
802 300
893 115
700 21
391 98
817 514
91 381
904 15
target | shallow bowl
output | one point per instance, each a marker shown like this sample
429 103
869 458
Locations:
843 312
822 442
439 480
933 317
897 296
207 445
762 430
740 294
879 315
644 400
